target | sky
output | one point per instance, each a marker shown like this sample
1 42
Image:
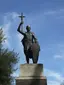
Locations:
46 18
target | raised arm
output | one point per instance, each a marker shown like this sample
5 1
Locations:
21 31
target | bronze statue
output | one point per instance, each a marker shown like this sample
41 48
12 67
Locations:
29 41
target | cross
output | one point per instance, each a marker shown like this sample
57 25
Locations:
21 16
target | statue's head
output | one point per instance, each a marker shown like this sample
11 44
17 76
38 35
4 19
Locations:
28 28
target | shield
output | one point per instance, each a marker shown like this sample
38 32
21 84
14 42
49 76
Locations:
35 48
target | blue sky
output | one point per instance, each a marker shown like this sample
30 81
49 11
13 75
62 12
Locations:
46 18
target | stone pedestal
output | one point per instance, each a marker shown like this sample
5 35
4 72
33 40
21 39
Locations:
31 74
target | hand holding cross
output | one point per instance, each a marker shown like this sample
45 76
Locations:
22 18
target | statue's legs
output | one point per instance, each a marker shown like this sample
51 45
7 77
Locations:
27 57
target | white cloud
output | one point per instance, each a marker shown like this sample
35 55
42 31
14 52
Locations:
7 36
60 52
14 15
58 57
53 82
15 74
7 23
52 12
61 45
20 47
53 77
6 43
19 36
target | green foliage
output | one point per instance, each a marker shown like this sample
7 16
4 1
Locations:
8 60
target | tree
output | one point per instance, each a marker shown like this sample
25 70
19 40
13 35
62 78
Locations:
8 60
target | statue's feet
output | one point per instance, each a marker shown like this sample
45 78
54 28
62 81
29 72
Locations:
27 62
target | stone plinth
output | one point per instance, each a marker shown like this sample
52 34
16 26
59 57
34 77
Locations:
31 74
31 70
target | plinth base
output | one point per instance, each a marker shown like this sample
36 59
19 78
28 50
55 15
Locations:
31 74
31 81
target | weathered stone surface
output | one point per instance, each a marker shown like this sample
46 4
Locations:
31 74
31 70
30 77
31 82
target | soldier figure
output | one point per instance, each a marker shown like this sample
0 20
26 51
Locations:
29 38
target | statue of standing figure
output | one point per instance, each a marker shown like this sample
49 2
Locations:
29 42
